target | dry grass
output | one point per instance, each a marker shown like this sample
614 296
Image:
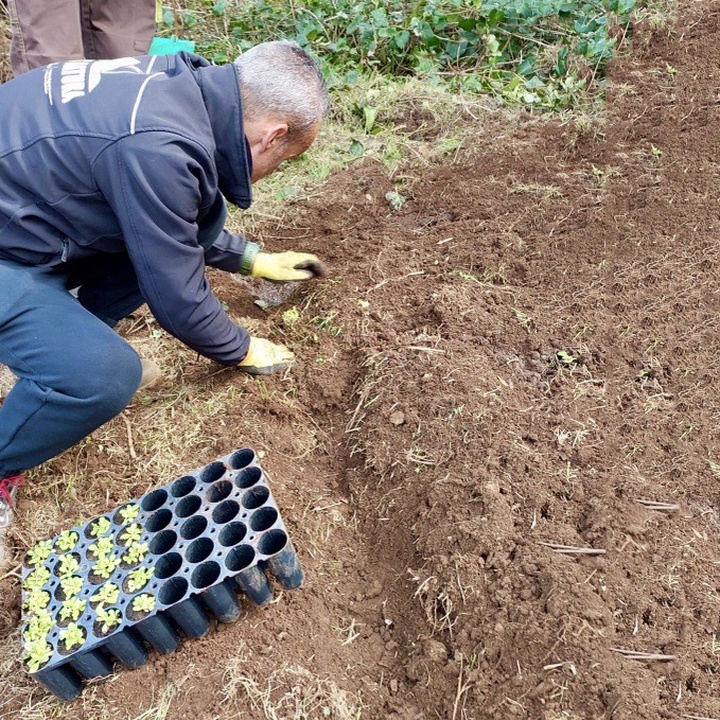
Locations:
289 691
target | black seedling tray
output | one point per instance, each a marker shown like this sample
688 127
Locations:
209 533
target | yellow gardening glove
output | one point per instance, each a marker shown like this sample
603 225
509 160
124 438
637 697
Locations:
287 266
265 358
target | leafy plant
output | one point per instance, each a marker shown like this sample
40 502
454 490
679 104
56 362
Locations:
101 547
105 566
73 636
72 609
129 512
108 619
66 541
71 585
143 603
107 594
40 553
135 553
139 578
36 601
132 533
100 527
36 579
39 626
67 565
37 653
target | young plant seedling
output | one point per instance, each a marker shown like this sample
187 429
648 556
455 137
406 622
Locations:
100 527
37 653
139 578
67 565
36 579
36 601
108 619
66 541
105 566
143 603
107 594
135 553
129 513
39 626
40 553
132 534
72 609
73 636
103 546
71 585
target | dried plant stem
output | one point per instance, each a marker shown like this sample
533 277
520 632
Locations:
644 656
572 550
659 506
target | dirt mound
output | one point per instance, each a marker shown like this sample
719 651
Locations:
498 454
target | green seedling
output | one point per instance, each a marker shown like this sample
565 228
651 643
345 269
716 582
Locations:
100 527
39 626
67 565
565 358
132 534
135 553
66 541
36 601
103 546
72 609
139 578
105 566
37 653
107 594
395 199
36 579
71 585
143 603
40 553
108 619
129 513
73 636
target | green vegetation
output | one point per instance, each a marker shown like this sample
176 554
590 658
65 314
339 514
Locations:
107 594
108 619
139 578
66 541
135 553
534 52
132 534
67 565
71 585
72 609
143 603
102 547
73 636
129 512
40 553
100 527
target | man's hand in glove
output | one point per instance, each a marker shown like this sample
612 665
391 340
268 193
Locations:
281 267
265 358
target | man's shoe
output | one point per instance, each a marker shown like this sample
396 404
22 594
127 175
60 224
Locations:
8 490
151 374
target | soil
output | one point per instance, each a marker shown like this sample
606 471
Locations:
508 370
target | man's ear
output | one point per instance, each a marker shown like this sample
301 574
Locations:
273 135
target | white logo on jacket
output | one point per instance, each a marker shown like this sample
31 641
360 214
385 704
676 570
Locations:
80 77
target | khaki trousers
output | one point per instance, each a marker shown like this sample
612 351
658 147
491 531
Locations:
45 31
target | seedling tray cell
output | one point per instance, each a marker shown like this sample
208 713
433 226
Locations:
152 570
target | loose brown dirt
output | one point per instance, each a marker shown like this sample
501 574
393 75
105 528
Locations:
516 357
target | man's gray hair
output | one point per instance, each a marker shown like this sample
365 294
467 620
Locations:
280 79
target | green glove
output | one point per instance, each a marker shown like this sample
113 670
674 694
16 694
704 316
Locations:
265 358
281 267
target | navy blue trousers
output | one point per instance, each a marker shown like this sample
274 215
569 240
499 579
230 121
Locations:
74 371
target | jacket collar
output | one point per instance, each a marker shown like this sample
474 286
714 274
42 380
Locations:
220 88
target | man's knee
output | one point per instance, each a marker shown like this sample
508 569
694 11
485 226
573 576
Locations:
106 379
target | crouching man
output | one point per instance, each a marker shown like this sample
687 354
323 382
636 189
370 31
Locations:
113 179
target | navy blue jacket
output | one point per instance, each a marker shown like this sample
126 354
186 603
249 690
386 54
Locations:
128 156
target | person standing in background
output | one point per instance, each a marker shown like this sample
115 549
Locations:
45 31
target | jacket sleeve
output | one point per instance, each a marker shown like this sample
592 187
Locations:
155 184
226 252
